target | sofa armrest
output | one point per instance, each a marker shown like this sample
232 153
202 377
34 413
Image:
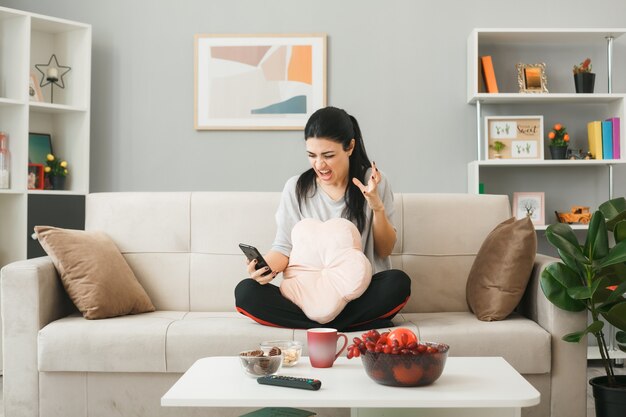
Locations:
31 297
569 360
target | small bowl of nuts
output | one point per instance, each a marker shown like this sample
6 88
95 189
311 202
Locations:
290 348
256 363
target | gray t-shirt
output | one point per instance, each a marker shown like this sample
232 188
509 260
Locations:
320 206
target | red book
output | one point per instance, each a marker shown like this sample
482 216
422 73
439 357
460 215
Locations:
489 76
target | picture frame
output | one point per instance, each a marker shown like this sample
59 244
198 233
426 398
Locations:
522 137
34 90
39 146
35 177
258 82
530 204
531 78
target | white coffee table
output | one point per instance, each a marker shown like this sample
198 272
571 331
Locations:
469 387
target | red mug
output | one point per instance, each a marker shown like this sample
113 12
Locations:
322 344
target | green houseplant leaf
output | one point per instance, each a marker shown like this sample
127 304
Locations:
576 337
614 211
620 231
617 315
597 242
616 255
592 277
555 281
562 237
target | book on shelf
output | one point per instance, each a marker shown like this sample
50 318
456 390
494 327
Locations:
607 139
279 412
616 137
489 75
594 134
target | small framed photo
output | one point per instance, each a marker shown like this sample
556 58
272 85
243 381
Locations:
34 91
514 137
530 204
39 146
531 78
35 177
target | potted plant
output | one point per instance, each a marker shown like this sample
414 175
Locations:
559 140
592 277
55 172
498 147
584 79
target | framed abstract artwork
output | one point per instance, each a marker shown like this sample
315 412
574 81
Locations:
258 82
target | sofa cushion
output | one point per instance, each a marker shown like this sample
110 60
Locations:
521 341
501 270
327 268
94 273
161 341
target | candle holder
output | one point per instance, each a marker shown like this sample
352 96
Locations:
52 74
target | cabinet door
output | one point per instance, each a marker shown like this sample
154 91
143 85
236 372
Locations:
66 211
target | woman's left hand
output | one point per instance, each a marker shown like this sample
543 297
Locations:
370 191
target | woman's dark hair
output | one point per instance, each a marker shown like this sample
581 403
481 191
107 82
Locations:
337 125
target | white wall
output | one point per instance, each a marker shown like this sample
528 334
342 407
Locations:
399 66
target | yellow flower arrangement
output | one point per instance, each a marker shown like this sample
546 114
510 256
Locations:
558 136
55 166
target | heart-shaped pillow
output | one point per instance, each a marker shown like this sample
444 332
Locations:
327 268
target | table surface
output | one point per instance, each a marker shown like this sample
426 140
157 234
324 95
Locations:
466 382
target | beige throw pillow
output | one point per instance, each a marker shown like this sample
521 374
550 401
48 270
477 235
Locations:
501 270
94 273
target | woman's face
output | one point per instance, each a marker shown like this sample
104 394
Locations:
329 160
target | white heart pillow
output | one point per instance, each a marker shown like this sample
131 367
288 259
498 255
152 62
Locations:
327 268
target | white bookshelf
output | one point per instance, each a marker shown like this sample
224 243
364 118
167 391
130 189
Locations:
27 39
560 49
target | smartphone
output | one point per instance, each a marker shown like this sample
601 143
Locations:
253 253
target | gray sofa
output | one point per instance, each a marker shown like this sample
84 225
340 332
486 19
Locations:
183 249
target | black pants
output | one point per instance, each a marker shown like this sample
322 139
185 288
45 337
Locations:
386 295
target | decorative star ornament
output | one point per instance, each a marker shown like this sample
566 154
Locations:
43 69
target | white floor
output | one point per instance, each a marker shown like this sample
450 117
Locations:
594 369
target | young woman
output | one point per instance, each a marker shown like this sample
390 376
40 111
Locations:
342 182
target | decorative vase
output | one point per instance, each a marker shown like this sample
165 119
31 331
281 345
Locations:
609 401
558 152
584 82
57 182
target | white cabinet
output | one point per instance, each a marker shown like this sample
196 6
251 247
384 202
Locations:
27 39
565 182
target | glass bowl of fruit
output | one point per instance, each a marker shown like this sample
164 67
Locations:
292 350
256 363
398 358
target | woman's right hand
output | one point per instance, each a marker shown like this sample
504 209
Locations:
257 274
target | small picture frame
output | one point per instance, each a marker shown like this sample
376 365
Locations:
39 146
34 91
514 137
530 204
531 78
35 177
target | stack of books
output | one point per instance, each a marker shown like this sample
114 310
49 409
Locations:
604 138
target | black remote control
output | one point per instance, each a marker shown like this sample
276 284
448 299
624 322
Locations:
290 382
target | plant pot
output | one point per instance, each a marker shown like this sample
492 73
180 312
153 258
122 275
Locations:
57 182
609 401
558 152
584 82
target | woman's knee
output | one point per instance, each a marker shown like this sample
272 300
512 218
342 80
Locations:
398 283
245 290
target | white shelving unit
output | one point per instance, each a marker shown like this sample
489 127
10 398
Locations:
27 39
560 49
